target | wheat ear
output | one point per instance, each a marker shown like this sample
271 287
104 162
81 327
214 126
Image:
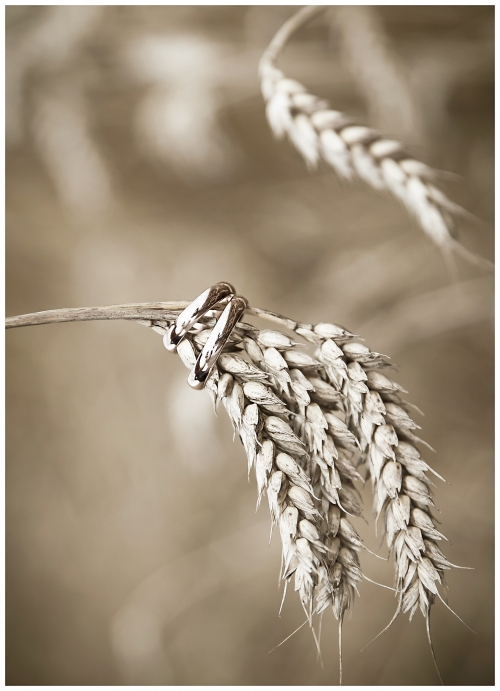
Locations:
284 437
378 417
345 381
317 132
306 423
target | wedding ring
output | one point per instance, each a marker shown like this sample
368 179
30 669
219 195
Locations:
200 305
216 341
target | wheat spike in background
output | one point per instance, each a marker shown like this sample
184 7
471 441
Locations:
352 150
307 422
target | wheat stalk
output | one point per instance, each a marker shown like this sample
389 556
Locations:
306 423
352 150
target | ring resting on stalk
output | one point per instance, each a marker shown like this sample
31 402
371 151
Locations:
219 297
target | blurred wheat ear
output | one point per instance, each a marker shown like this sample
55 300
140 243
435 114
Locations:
307 423
320 133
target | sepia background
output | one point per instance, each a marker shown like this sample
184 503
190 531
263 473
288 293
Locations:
140 168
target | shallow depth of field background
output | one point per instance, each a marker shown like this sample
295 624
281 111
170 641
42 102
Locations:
140 167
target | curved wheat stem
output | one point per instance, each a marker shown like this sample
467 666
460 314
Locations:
306 422
320 133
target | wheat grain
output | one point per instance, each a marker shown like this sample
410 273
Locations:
320 133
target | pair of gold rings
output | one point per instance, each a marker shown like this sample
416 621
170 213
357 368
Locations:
222 299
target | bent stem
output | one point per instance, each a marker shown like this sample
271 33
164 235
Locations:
289 27
152 311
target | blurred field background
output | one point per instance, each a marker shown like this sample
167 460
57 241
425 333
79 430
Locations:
140 167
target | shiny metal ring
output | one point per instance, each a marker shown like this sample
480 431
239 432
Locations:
200 306
216 341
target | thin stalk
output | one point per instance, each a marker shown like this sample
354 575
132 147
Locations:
154 311
289 27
